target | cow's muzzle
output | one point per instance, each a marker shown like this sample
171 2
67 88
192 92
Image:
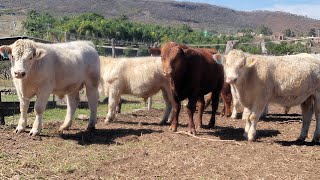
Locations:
167 73
231 80
19 74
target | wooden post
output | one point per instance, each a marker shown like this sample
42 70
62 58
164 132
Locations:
2 122
264 50
230 46
65 36
113 48
149 103
150 98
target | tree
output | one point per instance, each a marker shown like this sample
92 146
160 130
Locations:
263 30
312 32
288 33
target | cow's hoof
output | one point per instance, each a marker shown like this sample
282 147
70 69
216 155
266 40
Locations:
91 128
163 123
19 129
316 140
108 120
245 135
252 139
34 132
210 126
62 128
173 128
193 132
199 127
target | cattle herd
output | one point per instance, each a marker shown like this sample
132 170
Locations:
180 72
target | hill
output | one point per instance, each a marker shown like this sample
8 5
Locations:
168 12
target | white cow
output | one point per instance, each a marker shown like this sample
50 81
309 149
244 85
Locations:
285 80
141 76
40 69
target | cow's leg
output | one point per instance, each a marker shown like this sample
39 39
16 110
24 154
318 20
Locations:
223 111
114 98
72 103
265 112
200 111
236 102
191 107
39 107
168 107
245 116
207 100
215 104
316 135
24 106
307 112
93 98
254 117
227 104
176 110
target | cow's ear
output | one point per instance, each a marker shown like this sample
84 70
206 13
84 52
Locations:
39 53
5 51
250 61
219 58
181 51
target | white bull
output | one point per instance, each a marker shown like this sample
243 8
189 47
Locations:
286 80
62 69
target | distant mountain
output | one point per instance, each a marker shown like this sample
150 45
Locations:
168 12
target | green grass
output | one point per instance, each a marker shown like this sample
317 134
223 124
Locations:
58 114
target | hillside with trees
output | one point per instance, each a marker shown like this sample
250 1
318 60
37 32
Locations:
214 19
95 27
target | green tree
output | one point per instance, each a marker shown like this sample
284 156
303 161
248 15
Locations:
312 32
263 30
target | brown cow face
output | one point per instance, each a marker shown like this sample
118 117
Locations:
23 55
234 66
171 60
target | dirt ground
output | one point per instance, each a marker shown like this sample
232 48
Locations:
136 147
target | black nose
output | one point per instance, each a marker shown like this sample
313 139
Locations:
20 74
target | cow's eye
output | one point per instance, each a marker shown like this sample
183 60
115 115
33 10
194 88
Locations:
30 58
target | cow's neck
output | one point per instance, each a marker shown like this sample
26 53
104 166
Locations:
243 85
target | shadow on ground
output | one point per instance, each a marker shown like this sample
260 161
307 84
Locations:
231 133
106 136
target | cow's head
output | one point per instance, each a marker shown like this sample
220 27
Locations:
235 65
23 53
171 54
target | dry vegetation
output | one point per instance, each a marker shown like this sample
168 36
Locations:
136 147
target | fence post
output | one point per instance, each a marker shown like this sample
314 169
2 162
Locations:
2 122
113 48
264 50
150 98
230 46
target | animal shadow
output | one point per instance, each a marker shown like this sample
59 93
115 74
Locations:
105 136
297 143
282 117
231 133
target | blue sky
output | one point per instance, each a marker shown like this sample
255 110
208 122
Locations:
310 8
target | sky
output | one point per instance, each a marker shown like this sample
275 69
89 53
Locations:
310 8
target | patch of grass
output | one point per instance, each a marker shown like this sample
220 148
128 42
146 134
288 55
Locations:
68 168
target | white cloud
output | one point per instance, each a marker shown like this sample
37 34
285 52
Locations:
310 10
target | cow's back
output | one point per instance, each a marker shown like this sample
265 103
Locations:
68 66
140 76
288 79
